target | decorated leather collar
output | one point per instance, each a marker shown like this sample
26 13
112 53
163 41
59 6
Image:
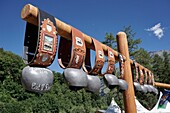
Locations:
146 77
141 76
99 62
72 54
111 62
121 65
40 42
136 70
151 78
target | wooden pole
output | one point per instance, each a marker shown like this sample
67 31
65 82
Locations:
29 13
129 95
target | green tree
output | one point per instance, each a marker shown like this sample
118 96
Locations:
158 67
133 43
143 58
110 40
165 76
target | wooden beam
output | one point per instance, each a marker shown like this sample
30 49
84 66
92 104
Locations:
29 13
162 85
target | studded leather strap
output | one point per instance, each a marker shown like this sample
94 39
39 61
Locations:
136 70
141 76
153 80
99 62
41 41
121 66
150 78
146 76
72 56
111 61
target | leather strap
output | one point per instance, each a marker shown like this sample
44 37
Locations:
150 78
121 65
146 77
141 76
111 62
153 80
136 70
72 54
99 62
40 42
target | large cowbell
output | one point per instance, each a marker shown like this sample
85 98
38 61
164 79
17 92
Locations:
144 89
137 86
111 81
93 83
122 85
152 88
37 79
156 91
76 78
149 89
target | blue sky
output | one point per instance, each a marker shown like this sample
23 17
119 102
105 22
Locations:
150 19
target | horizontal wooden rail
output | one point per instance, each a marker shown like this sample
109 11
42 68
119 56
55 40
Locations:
30 14
162 85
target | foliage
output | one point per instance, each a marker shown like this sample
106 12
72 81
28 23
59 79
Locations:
110 40
143 57
133 43
161 68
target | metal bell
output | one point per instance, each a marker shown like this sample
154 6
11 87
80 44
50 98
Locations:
152 87
156 91
76 78
137 86
37 79
111 81
93 83
144 89
122 85
149 89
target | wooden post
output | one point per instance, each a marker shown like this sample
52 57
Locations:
128 95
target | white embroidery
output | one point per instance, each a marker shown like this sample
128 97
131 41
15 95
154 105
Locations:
111 54
79 42
49 28
77 59
100 54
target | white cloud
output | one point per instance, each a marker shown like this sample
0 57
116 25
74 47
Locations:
157 30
